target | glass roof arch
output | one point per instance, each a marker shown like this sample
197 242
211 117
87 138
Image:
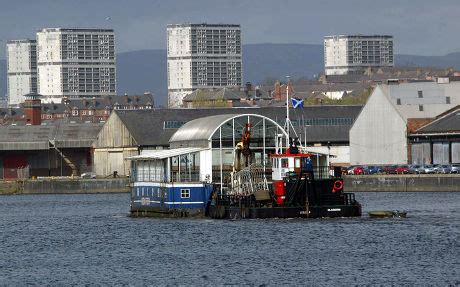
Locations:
227 128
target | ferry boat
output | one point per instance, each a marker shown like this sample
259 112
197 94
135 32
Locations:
236 166
298 190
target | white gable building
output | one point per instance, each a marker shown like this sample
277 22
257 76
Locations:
379 133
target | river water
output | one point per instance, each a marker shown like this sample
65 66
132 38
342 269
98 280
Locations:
89 239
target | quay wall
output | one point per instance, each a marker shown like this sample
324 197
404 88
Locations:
64 186
402 183
352 183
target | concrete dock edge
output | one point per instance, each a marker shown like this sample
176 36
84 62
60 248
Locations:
64 186
402 183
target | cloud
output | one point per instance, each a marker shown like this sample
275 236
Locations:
425 28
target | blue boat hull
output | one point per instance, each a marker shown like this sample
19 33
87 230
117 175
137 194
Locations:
170 199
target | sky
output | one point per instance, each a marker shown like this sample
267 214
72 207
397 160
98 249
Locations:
419 27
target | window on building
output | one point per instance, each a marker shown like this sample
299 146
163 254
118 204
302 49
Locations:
185 193
447 100
420 108
398 101
326 121
173 124
420 94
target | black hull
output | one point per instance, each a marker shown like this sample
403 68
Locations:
168 213
304 197
229 212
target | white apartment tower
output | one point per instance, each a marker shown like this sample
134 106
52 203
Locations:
202 56
353 54
22 70
76 63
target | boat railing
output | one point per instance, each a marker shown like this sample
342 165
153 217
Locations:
325 172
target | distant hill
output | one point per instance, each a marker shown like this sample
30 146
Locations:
145 70
261 61
451 60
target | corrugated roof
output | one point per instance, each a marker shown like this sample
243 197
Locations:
147 127
448 123
218 94
38 137
164 153
322 133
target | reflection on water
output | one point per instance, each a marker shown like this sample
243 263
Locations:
88 239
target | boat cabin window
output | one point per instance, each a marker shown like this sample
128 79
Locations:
185 193
297 163
185 167
150 170
284 162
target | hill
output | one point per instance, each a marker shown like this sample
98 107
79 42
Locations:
451 60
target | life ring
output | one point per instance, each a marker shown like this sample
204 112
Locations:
338 185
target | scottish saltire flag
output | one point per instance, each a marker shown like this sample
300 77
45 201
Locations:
297 103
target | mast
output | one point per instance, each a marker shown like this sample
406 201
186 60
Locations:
288 122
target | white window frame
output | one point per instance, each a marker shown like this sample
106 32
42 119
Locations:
185 193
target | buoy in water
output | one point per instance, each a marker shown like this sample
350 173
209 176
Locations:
387 214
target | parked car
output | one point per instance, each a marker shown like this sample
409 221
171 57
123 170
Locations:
414 169
445 168
88 175
428 169
390 169
455 168
344 170
350 170
437 168
358 170
402 169
373 169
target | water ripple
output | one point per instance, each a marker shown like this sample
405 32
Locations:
89 239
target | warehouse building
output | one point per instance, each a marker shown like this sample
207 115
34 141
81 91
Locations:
380 133
127 133
437 142
46 150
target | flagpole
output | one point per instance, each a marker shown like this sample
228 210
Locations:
287 112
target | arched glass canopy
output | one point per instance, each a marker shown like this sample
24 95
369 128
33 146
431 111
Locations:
221 133
228 128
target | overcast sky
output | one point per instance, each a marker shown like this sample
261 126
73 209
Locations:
423 27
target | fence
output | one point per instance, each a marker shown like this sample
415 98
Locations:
15 173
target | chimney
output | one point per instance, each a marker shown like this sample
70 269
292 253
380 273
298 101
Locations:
248 89
33 109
